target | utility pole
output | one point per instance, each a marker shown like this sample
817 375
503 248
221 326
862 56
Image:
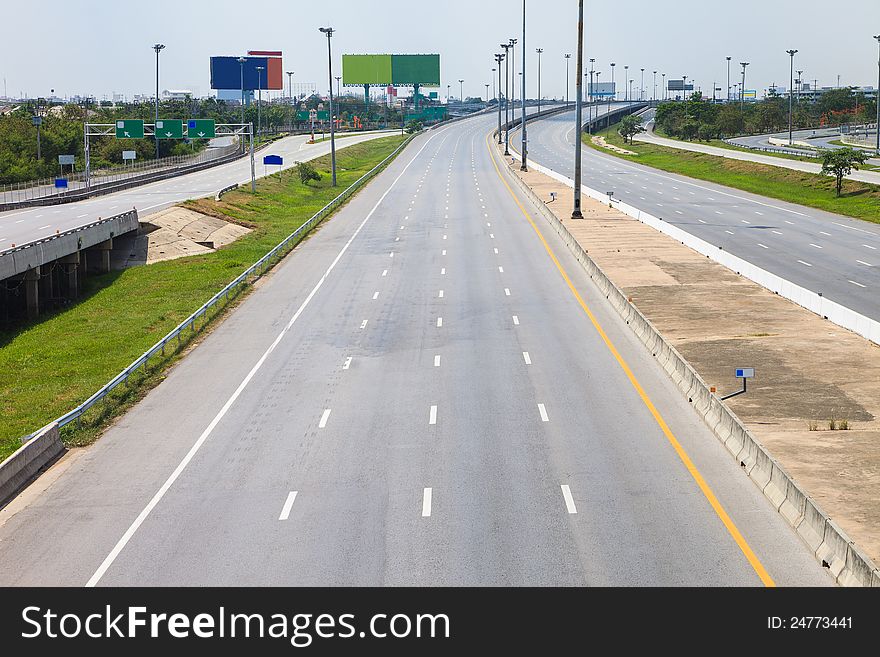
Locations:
539 51
158 48
329 32
567 57
499 57
241 61
524 166
728 79
791 54
579 109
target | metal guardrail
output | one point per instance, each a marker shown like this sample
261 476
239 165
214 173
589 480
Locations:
256 270
773 149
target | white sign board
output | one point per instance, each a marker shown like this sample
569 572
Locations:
129 155
66 159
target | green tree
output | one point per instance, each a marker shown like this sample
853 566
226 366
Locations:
306 173
840 162
413 126
630 126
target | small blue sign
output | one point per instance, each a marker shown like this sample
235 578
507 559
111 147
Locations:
273 159
191 125
745 373
61 183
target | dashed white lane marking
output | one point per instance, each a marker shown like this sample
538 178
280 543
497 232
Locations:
805 263
347 363
426 503
776 232
492 236
868 246
815 246
718 212
759 213
324 418
507 292
501 270
745 222
43 227
700 220
375 296
443 271
680 212
859 284
364 324
437 360
439 321
862 262
432 416
791 223
288 505
729 232
444 237
396 239
384 272
444 252
569 500
392 254
543 411
440 295
527 358
763 246
515 320
822 232
496 251
80 216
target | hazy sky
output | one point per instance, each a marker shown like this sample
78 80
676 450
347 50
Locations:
100 47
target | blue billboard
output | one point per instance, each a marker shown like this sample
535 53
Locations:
226 73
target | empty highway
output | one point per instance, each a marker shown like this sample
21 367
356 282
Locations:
416 396
817 250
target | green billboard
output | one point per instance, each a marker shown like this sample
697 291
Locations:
359 70
381 70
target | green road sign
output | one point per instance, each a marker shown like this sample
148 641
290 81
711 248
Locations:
323 115
169 129
130 129
200 128
302 115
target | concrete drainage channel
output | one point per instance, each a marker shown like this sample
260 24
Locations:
828 542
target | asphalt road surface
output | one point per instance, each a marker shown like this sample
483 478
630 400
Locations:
415 396
22 226
819 251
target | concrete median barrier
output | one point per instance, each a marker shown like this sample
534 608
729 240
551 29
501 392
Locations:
26 462
832 547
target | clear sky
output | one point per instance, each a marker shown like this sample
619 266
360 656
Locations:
99 47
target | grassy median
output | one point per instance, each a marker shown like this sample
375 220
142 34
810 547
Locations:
49 367
859 200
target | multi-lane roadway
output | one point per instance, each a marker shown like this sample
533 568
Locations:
416 396
817 250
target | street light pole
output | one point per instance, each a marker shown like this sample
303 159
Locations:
642 87
567 57
590 94
513 43
329 32
260 70
742 93
461 90
728 79
158 48
487 92
654 93
791 54
241 61
338 94
499 57
494 92
613 88
539 51
507 48
877 97
524 151
579 109
625 78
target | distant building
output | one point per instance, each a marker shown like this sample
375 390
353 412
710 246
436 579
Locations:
176 94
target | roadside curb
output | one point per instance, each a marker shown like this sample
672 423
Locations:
28 460
829 544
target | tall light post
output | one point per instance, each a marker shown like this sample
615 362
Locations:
742 93
241 61
598 96
448 87
513 42
800 85
525 150
260 70
663 84
487 92
338 94
567 57
290 85
590 91
614 89
791 54
728 78
877 98
499 57
539 51
494 92
159 47
579 109
461 90
329 32
654 93
625 78
642 86
507 47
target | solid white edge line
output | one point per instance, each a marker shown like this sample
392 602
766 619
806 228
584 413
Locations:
288 504
569 500
126 537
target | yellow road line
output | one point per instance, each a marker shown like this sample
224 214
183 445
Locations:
682 454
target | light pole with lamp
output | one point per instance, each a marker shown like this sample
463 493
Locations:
461 90
567 57
590 95
742 93
499 57
513 43
539 51
579 109
877 98
158 48
329 32
654 93
791 54
260 70
642 86
625 78
663 84
728 79
487 92
507 48
524 147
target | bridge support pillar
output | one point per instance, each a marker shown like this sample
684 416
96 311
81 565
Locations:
98 257
71 274
32 292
